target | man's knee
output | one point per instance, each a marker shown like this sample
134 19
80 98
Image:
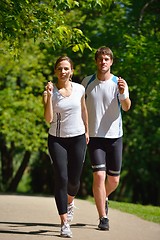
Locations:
99 176
113 180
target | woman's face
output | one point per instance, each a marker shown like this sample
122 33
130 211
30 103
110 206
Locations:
63 70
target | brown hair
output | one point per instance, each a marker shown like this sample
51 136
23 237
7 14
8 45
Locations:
104 51
63 58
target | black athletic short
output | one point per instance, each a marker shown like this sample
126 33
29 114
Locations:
106 155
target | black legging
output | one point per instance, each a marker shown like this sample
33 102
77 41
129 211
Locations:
67 155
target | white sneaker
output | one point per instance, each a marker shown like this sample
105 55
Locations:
70 211
65 230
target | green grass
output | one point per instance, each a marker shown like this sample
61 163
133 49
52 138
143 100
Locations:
148 213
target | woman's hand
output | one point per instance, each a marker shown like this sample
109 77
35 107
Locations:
87 137
49 88
47 101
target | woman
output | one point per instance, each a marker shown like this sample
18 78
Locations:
65 110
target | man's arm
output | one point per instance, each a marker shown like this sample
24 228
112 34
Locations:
123 94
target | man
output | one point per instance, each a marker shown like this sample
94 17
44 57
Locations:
106 94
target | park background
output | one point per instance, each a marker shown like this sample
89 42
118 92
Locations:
32 35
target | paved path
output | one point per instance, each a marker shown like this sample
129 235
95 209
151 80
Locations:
32 218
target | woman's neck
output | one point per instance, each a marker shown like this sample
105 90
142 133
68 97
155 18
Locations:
63 84
65 89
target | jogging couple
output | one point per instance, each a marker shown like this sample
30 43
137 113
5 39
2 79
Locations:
80 115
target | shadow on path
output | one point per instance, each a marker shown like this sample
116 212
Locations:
17 228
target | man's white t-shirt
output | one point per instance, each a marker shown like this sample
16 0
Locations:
67 114
103 105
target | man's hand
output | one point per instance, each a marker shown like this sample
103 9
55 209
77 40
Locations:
121 85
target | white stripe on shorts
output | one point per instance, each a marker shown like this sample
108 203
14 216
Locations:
98 166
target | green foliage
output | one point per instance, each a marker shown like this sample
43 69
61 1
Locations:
45 20
135 42
37 32
23 128
21 110
25 183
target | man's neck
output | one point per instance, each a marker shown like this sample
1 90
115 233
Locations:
103 76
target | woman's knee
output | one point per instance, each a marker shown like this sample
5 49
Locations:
73 188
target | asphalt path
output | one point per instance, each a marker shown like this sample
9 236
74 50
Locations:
36 218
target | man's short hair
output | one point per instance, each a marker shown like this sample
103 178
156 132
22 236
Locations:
104 51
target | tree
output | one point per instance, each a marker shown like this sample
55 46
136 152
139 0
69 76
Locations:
21 114
45 20
131 29
31 31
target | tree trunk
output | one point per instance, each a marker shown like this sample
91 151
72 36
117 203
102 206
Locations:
7 162
14 183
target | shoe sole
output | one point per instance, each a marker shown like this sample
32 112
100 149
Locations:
66 236
103 229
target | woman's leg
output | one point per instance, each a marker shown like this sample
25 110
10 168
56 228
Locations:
76 158
58 155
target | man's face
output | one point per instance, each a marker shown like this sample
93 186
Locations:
103 62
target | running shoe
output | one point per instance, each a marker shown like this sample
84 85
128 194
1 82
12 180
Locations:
65 230
70 211
103 223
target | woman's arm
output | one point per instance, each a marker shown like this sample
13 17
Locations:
47 102
85 117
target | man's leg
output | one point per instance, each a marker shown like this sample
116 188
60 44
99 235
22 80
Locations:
111 184
99 191
98 160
